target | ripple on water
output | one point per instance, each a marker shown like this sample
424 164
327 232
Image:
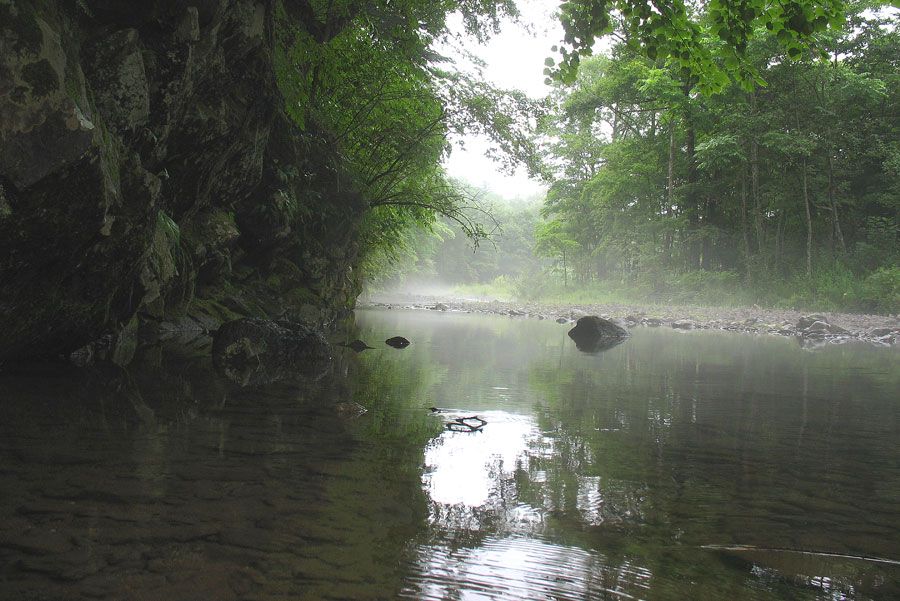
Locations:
521 568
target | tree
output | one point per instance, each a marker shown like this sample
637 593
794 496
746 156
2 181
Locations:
551 240
364 76
794 182
706 41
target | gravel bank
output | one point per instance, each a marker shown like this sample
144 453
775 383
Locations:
814 329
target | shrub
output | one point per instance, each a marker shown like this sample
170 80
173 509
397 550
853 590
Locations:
880 291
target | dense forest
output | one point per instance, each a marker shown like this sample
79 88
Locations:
783 190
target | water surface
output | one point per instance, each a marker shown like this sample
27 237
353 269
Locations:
702 465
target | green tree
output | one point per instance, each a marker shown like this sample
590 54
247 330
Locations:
704 41
364 76
552 240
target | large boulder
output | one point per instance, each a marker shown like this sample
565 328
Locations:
817 326
807 320
252 351
593 334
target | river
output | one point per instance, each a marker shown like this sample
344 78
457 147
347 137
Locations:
676 465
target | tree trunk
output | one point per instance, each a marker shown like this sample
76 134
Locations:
744 230
808 222
836 231
779 240
690 147
754 181
615 124
670 187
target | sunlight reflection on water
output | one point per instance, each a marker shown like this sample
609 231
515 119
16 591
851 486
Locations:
467 477
524 568
463 467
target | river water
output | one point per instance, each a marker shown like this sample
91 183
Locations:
676 465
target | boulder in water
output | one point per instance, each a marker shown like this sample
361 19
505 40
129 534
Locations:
397 342
593 334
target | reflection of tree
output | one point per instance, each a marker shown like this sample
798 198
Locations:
231 491
664 442
706 439
623 465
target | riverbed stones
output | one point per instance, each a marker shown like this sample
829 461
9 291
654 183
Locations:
684 324
748 320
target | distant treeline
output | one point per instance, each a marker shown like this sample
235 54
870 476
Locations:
783 193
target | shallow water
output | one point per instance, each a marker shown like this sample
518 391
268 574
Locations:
701 465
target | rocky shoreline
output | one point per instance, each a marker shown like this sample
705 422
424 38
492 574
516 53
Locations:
813 329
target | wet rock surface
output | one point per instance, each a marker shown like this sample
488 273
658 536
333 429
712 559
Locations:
357 346
398 342
593 334
827 328
147 169
253 351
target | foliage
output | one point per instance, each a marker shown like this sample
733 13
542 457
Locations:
365 76
790 191
880 291
445 256
705 42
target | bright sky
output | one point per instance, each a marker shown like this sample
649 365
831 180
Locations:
514 59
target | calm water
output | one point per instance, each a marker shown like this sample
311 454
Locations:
694 465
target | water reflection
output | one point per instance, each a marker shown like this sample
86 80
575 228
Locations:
606 477
594 477
524 568
464 467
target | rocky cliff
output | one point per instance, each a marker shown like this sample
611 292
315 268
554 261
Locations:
148 172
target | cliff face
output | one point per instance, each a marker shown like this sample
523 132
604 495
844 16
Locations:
148 171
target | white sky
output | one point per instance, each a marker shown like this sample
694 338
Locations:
514 59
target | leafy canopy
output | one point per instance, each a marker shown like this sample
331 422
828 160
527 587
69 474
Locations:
706 40
366 76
